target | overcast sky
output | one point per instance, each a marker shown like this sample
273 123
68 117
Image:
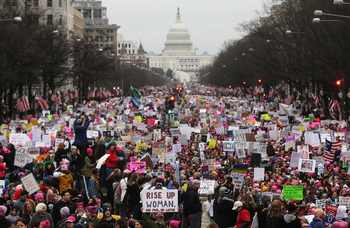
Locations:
210 22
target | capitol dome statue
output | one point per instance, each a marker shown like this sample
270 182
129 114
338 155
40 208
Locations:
178 40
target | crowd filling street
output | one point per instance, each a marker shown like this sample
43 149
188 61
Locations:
182 156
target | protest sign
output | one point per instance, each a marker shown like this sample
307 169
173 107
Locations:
176 148
157 134
2 187
206 187
22 158
293 192
312 139
289 145
170 158
156 200
201 146
238 180
36 134
259 174
229 146
19 139
344 201
321 203
137 166
30 184
100 162
92 134
304 151
240 152
307 165
325 136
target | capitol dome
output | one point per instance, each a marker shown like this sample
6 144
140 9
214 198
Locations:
178 41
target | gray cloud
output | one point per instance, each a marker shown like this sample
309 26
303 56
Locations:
210 22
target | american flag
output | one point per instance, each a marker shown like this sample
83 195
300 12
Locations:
42 103
334 109
22 104
330 149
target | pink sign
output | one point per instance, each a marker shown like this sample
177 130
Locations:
137 166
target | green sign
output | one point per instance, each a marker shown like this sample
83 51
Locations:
293 192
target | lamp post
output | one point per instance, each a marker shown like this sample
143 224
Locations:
320 13
15 19
340 2
318 20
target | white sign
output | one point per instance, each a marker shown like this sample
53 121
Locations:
2 187
229 146
312 139
176 148
157 134
307 165
19 139
30 184
22 158
259 174
201 146
238 180
344 201
91 134
206 187
294 159
304 151
165 201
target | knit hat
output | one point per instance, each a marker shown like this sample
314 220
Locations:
3 210
39 196
41 207
64 212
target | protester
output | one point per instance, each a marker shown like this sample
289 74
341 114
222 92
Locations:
236 157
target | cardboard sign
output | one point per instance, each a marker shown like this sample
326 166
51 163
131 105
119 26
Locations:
345 201
165 201
259 174
293 192
229 146
30 184
137 166
206 187
307 165
22 158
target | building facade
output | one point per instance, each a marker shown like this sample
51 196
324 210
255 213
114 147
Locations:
57 13
97 27
131 52
178 53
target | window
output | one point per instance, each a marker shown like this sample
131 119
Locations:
49 3
11 2
87 13
60 20
49 19
59 3
97 13
36 3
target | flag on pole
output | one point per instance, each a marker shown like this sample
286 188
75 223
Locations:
135 96
330 150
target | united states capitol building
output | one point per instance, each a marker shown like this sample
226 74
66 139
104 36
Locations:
178 53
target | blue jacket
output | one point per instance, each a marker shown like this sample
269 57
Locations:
317 223
80 133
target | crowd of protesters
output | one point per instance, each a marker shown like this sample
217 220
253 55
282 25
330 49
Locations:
80 158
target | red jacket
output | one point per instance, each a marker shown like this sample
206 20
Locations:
243 218
112 160
2 169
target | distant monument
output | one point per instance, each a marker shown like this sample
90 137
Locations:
178 53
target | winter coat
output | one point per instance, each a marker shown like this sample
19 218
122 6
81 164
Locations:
291 221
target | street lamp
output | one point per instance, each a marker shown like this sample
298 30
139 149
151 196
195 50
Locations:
268 41
15 19
318 20
251 49
244 54
340 2
321 13
290 32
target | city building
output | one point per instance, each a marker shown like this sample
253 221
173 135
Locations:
132 53
178 54
97 28
57 13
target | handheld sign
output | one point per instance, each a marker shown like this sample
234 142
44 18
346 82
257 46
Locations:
157 200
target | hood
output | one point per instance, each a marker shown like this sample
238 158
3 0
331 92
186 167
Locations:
288 218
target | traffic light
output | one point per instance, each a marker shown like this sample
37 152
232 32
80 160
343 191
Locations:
170 103
338 83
